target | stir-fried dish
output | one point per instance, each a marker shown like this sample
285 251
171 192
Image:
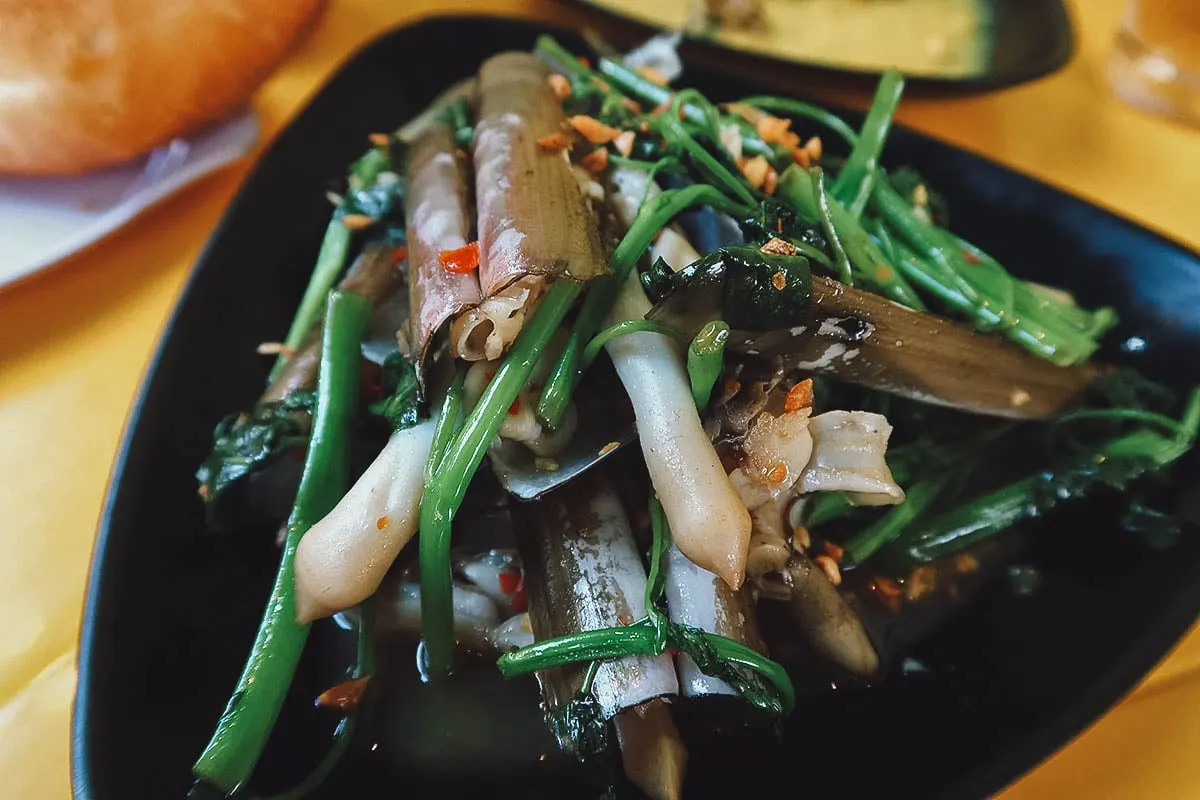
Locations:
842 411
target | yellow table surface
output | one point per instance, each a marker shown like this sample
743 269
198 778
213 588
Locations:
74 341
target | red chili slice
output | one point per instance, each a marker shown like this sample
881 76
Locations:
460 260
510 582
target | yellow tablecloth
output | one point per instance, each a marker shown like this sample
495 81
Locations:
74 340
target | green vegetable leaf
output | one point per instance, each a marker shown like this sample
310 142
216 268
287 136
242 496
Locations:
580 727
402 407
695 643
750 290
244 443
375 189
1114 465
366 170
458 116
776 219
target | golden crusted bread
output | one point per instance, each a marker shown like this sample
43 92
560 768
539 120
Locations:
89 83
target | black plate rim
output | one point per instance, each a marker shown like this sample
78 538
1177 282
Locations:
1123 676
1049 62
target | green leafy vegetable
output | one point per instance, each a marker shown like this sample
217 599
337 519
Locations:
459 115
870 266
1114 464
845 273
244 443
581 726
402 407
366 170
624 328
798 108
733 660
378 192
749 289
761 681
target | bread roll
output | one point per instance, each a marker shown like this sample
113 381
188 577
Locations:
90 83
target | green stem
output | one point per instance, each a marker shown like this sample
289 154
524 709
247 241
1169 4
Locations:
653 216
980 518
1051 329
706 360
589 678
853 185
651 94
888 528
656 581
822 200
1169 426
246 723
899 215
548 48
330 260
982 316
708 112
343 734
797 108
1091 324
445 494
879 232
446 425
638 638
624 328
648 92
1030 329
673 130
1125 458
871 267
814 254
734 652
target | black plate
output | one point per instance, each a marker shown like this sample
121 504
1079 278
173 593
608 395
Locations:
1026 40
171 611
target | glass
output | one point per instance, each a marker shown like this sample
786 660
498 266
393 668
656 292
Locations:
1156 61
